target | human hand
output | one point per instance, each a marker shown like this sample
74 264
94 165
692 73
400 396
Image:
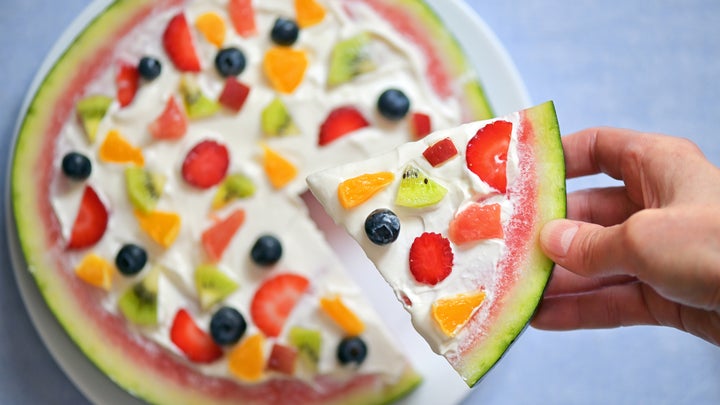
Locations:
646 253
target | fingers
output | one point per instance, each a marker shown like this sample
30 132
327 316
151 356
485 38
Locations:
602 206
564 282
597 150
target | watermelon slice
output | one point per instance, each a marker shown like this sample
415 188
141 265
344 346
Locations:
471 296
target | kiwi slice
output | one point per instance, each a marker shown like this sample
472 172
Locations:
417 190
233 187
144 188
349 59
277 121
139 303
91 111
212 285
197 104
308 343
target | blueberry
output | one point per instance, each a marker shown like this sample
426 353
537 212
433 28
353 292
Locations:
382 226
149 68
131 259
351 350
393 104
266 251
227 326
230 62
285 32
76 166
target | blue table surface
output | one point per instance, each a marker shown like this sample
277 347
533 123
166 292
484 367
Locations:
652 66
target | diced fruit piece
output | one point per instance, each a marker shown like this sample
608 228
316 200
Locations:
195 343
127 82
440 152
233 187
345 318
277 121
382 227
212 26
279 170
230 62
308 12
144 187
420 125
234 94
227 326
90 221
308 343
116 149
91 110
130 259
282 359
212 285
352 350
206 164
275 299
197 104
417 190
284 32
349 59
95 271
179 45
242 16
285 68
340 122
476 222
393 104
266 251
217 238
171 124
452 313
355 191
487 154
139 303
76 166
149 68
430 258
162 227
246 361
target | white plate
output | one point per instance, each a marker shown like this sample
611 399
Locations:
506 92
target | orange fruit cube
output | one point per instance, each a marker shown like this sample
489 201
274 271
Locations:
342 315
162 227
246 361
116 149
285 68
355 191
452 313
279 170
95 271
308 12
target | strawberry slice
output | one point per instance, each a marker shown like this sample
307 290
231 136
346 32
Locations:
274 301
197 345
431 258
217 238
206 164
420 125
127 82
171 124
90 222
341 121
242 17
487 154
440 152
179 45
234 94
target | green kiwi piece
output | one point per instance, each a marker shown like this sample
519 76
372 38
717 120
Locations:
349 59
212 285
139 303
91 111
233 187
197 104
144 187
308 343
277 121
417 190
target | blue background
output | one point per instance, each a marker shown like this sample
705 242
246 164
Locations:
648 65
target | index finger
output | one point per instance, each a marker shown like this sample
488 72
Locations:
599 150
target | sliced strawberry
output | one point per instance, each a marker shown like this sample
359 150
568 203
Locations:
341 121
172 123
431 258
242 16
440 152
206 164
274 301
420 125
282 359
487 154
234 94
217 238
90 222
197 345
179 45
127 82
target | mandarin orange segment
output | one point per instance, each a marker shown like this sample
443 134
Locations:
162 227
285 68
95 271
279 170
212 27
355 191
342 315
452 313
116 149
308 12
246 361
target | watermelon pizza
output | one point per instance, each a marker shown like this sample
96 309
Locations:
155 188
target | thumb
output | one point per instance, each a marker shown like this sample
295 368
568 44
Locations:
583 248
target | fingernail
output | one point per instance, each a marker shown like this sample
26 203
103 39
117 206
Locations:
556 237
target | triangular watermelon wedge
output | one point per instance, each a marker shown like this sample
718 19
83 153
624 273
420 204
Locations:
470 278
